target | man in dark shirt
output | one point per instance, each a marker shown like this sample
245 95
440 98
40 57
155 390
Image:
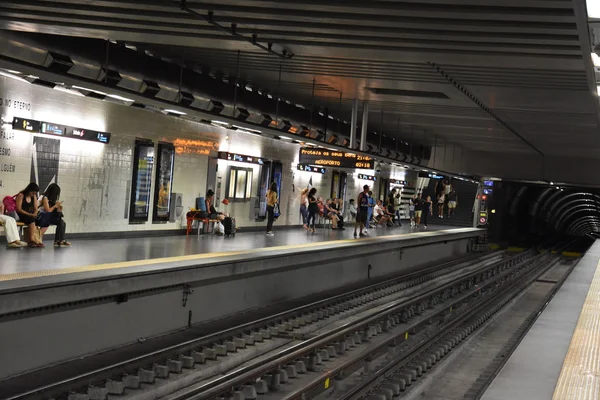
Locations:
363 210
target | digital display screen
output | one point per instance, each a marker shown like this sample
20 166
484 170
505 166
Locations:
488 183
367 177
311 168
29 125
487 191
53 129
397 182
324 157
429 175
223 155
49 128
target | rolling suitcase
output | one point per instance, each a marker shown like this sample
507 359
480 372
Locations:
229 224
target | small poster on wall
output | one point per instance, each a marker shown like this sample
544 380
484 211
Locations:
164 180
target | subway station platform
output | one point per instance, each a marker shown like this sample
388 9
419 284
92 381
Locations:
558 358
104 254
53 298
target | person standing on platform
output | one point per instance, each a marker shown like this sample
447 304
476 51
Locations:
411 210
418 209
372 204
452 201
11 230
427 210
363 211
441 200
271 203
27 209
313 209
304 207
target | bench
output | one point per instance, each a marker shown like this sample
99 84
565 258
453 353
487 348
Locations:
206 222
20 226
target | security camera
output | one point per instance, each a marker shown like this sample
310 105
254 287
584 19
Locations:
378 167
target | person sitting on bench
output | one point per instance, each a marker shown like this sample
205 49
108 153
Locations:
12 232
210 208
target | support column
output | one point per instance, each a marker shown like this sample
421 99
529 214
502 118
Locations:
363 132
353 123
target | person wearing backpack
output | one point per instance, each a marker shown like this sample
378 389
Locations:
27 209
11 230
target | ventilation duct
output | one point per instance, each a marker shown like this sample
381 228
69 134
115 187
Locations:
265 120
215 107
285 125
185 99
241 114
58 63
333 139
150 88
111 77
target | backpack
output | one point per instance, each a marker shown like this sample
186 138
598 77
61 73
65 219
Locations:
10 204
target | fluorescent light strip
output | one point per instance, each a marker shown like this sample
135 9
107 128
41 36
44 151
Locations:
246 129
285 138
89 90
220 122
117 97
174 112
15 77
593 8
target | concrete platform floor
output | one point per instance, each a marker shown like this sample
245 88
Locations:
91 252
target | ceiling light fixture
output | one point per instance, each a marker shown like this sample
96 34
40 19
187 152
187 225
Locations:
170 111
117 97
220 123
89 90
593 8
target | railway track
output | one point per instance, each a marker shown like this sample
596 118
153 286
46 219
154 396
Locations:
406 326
167 370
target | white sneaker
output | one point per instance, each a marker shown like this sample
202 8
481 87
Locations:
22 243
270 234
425 227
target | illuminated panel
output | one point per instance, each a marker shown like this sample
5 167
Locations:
49 128
324 157
311 168
367 177
223 155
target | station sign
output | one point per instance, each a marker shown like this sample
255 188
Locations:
223 155
430 175
311 168
483 218
49 128
367 177
488 183
324 157
399 182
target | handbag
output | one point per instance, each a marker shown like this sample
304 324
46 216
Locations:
276 212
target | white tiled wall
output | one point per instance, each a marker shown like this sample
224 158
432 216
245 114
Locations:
95 178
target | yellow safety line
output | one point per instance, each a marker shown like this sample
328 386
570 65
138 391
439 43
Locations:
571 254
192 257
516 249
580 371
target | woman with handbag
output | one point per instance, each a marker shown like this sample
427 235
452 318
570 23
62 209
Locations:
52 214
271 205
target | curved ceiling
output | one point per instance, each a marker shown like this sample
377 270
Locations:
523 63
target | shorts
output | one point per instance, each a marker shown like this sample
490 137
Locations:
418 213
411 213
361 217
451 204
